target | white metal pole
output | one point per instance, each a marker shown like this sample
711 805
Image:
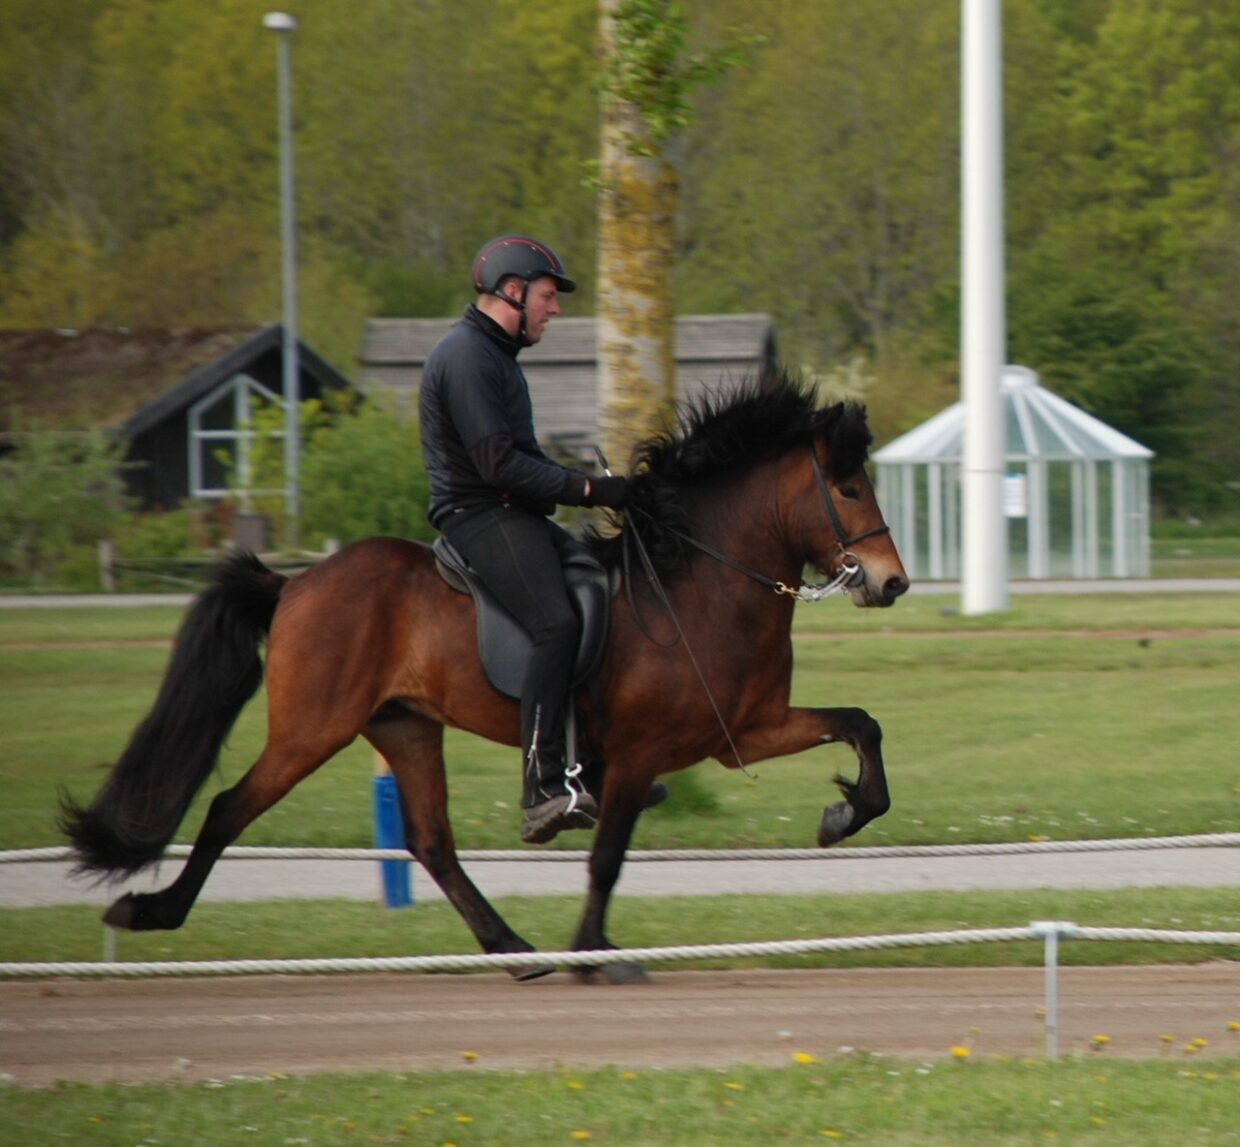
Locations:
983 315
284 25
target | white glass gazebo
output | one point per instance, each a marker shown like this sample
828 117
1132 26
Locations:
1076 491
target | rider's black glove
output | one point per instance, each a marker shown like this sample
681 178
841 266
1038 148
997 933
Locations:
610 490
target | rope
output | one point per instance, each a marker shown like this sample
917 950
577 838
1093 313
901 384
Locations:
1128 844
498 961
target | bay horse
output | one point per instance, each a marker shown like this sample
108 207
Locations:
725 512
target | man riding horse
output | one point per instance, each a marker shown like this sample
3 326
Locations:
492 491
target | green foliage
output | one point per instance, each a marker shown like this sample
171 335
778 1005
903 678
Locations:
60 494
360 470
651 67
819 183
362 475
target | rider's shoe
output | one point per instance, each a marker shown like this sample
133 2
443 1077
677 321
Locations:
544 821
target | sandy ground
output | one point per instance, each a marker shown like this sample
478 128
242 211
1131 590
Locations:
155 1030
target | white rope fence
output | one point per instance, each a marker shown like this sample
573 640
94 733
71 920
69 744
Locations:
1049 931
242 852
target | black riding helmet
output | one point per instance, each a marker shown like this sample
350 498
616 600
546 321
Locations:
523 257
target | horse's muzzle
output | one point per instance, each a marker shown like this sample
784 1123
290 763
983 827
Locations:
868 594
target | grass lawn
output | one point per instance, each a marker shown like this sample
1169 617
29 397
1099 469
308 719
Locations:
1066 717
847 1099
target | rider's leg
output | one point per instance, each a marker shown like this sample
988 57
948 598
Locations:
517 554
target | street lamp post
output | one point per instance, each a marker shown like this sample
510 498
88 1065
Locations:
284 25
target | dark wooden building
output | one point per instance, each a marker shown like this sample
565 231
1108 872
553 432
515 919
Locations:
177 398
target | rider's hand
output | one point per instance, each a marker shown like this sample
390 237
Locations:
609 490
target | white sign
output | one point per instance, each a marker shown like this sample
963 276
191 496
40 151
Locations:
1015 496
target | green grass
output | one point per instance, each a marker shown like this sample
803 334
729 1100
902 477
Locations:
325 929
998 728
849 1099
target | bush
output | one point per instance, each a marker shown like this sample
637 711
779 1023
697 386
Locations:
60 494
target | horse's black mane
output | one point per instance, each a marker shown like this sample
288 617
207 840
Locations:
721 434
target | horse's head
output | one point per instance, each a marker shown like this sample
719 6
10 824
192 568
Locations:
842 523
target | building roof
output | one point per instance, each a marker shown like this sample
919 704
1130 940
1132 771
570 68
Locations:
97 379
562 369
127 380
1039 425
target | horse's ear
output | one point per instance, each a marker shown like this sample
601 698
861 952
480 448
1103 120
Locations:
848 440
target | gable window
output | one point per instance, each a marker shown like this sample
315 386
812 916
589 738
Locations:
222 437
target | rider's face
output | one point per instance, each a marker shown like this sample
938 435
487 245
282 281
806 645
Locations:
542 304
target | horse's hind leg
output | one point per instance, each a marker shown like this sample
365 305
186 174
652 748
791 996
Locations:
413 747
275 772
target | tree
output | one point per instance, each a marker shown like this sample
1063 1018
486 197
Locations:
648 75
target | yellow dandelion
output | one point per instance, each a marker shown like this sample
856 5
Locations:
276 1075
1233 1025
1211 1076
1167 1037
1199 1042
464 1118
580 1136
803 1057
469 1056
732 1085
1100 1041
961 1052
575 1085
1191 1049
831 1133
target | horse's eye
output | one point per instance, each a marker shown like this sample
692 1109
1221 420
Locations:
852 493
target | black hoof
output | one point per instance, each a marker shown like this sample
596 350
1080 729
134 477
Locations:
522 975
612 974
120 913
141 913
835 824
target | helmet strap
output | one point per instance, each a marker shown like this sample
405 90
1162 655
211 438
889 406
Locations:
519 306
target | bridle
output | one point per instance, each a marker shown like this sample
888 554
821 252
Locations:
848 574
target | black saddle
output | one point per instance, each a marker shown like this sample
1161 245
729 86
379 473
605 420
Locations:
503 642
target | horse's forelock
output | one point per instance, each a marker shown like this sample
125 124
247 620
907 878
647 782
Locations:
848 439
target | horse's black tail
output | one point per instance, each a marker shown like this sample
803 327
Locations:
213 671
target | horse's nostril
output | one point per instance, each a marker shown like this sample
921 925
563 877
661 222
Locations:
895 586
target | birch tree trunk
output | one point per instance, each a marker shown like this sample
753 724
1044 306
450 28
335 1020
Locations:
636 319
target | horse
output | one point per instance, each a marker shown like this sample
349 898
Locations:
725 511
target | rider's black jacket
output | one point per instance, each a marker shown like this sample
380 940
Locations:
477 427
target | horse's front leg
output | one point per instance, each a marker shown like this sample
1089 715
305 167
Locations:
623 798
800 729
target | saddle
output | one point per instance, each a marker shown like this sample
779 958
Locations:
503 642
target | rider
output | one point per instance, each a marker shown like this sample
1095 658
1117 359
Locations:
492 491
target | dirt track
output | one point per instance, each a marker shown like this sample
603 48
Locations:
153 1030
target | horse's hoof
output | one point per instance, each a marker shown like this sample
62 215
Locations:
535 972
120 913
835 823
625 974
